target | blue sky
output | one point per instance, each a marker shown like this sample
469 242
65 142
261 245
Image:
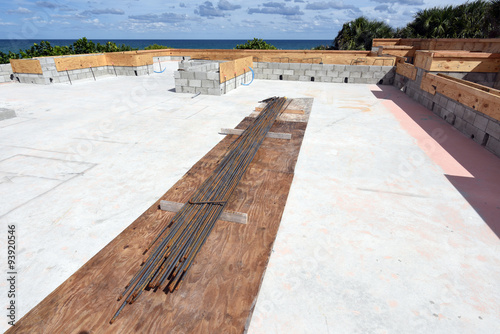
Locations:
197 19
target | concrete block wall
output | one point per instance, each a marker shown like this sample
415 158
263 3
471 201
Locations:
234 83
481 128
198 77
5 73
363 74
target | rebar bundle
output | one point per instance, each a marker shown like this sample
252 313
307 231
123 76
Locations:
176 246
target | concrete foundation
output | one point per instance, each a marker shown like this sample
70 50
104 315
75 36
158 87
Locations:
5 73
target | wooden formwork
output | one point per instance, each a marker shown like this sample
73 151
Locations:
31 66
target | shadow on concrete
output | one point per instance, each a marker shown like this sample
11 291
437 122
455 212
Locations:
482 190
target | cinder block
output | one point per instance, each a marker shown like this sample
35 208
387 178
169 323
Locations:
288 72
177 75
213 76
339 68
363 68
194 83
268 71
480 122
493 145
373 68
317 67
188 90
178 89
321 73
325 79
493 129
332 74
305 66
181 82
291 77
202 90
368 75
209 84
200 75
187 75
310 73
284 66
337 80
214 91
273 77
295 66
304 78
278 71
354 75
299 72
469 116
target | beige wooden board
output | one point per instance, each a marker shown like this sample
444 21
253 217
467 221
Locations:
407 70
471 84
232 69
79 62
464 65
487 103
128 59
26 66
428 84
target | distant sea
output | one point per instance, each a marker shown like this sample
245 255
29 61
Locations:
7 45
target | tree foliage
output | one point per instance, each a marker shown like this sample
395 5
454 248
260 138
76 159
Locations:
156 47
256 43
476 19
80 46
359 33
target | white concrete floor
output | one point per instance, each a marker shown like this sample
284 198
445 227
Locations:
374 238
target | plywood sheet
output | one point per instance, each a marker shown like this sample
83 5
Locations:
232 69
79 62
407 70
26 66
219 293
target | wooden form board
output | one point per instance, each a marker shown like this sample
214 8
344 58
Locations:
128 59
471 84
220 290
232 69
486 102
31 66
491 45
79 62
398 50
448 61
407 70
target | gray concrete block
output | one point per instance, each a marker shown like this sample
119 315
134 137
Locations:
354 75
188 90
304 78
493 129
317 67
268 71
209 83
288 72
291 77
367 74
480 122
178 89
310 73
273 77
194 83
278 71
304 66
469 115
493 145
325 79
321 73
181 82
373 68
451 105
200 75
332 74
337 80
284 66
294 66
202 90
339 68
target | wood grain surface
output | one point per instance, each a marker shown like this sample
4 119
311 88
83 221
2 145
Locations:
220 290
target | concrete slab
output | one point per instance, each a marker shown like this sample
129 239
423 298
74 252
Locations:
388 227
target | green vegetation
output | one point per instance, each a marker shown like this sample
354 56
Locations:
256 43
359 33
80 46
156 47
476 19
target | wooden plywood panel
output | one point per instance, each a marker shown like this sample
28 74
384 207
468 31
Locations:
477 99
26 66
128 59
407 70
428 83
219 293
462 64
79 62
471 84
423 59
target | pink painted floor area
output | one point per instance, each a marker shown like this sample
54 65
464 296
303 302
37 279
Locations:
470 168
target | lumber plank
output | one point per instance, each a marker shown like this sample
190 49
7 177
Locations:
407 70
78 62
26 66
472 84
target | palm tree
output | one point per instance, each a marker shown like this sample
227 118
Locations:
359 33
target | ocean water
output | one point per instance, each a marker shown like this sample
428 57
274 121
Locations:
7 45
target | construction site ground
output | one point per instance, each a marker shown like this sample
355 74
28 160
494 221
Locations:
390 225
